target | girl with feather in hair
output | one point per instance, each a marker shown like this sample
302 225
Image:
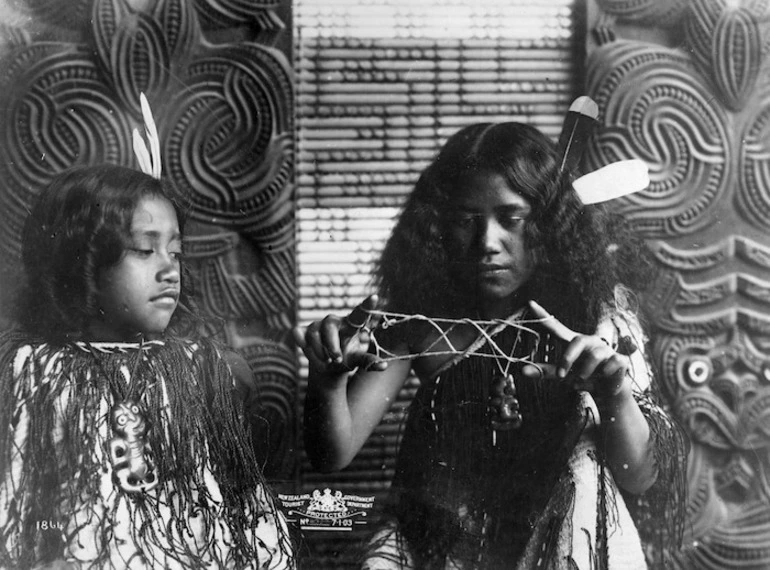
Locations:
535 439
127 439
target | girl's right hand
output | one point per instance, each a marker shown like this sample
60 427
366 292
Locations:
335 346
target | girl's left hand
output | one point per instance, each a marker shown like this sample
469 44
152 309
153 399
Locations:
590 362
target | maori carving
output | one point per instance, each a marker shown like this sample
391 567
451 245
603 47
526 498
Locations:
130 455
228 13
670 124
699 116
727 44
232 296
224 114
648 12
57 109
277 385
753 200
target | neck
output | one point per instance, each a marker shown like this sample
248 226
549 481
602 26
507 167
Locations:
500 308
98 333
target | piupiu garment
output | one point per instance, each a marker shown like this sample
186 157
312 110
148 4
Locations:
130 456
469 496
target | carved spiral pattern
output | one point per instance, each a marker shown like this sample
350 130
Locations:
656 108
266 293
727 44
753 199
226 13
648 12
132 48
275 370
73 14
230 141
702 122
58 115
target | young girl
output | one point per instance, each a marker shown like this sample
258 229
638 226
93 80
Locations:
125 438
506 460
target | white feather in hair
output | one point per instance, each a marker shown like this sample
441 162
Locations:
149 159
612 181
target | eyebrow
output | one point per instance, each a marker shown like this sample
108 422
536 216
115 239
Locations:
155 234
502 208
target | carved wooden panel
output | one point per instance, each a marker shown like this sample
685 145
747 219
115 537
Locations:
685 86
69 87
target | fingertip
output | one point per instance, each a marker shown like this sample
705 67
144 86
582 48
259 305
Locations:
530 370
372 365
538 309
299 336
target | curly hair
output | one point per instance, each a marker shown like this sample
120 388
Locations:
79 225
581 253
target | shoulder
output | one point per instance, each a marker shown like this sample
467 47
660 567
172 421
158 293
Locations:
30 357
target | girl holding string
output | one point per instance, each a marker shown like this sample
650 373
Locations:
535 439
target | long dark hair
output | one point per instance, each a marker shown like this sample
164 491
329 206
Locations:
79 225
578 250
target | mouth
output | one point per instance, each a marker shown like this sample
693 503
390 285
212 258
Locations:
491 269
166 298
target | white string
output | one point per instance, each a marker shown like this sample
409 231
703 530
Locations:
443 327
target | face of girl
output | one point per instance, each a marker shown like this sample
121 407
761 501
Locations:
486 239
139 294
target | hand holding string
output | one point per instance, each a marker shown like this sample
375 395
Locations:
334 346
588 362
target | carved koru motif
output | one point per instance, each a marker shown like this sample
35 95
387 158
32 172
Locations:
223 113
656 107
647 12
133 469
275 370
701 119
216 14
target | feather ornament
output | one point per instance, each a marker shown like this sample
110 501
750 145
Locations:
577 128
148 158
612 181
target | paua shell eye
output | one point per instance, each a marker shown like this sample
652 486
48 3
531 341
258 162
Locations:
698 371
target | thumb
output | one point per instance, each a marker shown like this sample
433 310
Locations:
366 361
298 333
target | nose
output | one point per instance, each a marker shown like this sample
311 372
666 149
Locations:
169 269
736 389
491 236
